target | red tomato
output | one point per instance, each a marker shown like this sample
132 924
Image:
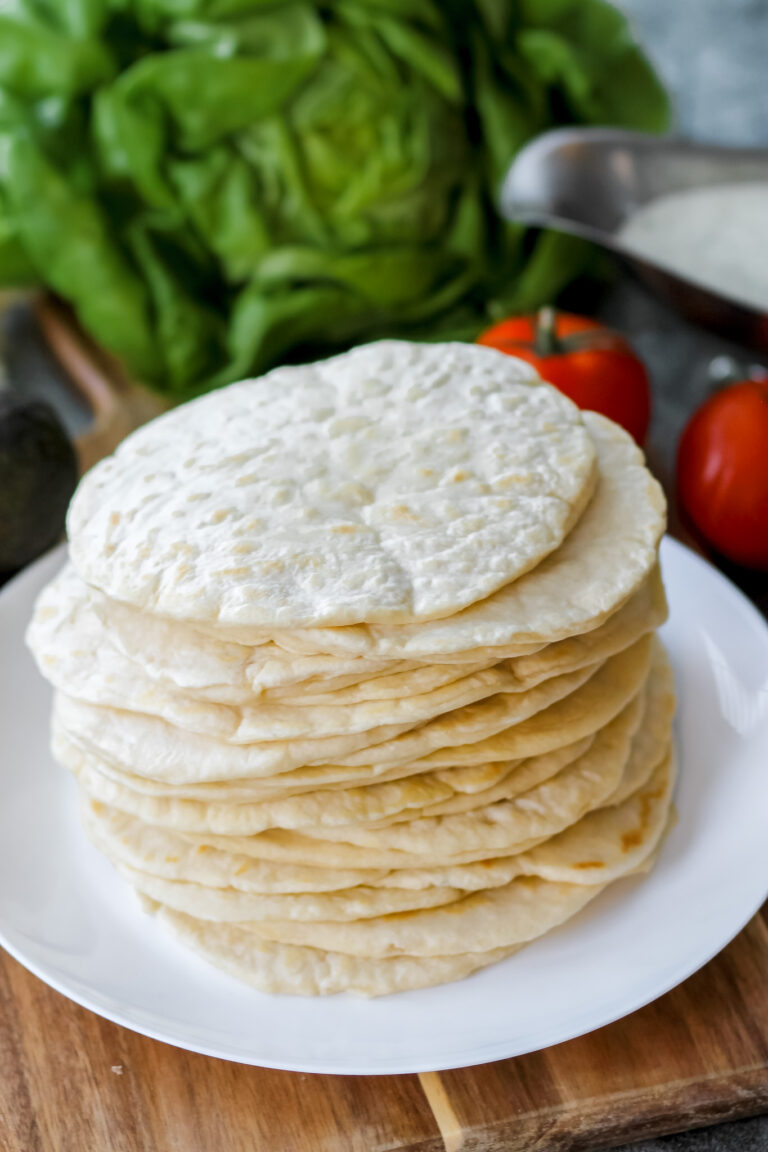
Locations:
591 364
722 472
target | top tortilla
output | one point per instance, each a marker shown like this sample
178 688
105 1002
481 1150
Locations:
606 557
395 483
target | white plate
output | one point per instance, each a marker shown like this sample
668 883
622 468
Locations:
67 917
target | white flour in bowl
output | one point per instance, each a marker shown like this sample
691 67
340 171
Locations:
716 236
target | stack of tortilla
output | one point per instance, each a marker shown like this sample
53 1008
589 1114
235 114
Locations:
355 666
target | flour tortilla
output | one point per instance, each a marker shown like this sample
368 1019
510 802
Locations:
612 843
74 651
149 745
501 829
226 673
204 665
653 736
644 612
621 839
609 842
540 812
602 847
504 917
127 840
396 482
578 713
116 738
286 969
521 775
90 672
139 742
469 779
161 666
375 805
609 837
228 905
651 745
230 673
605 558
246 818
655 730
597 848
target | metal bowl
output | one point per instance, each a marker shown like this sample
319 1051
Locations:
589 181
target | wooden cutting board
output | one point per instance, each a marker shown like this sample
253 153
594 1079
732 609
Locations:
72 1082
117 403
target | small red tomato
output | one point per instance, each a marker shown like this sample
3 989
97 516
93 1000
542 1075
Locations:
591 364
722 472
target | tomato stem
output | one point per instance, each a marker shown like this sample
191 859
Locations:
546 342
725 370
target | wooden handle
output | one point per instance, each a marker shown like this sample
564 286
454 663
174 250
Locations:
118 403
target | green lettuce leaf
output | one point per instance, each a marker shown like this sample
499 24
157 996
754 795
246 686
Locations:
219 185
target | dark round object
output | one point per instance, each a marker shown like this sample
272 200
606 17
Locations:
38 474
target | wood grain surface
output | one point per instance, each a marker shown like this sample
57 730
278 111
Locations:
72 1082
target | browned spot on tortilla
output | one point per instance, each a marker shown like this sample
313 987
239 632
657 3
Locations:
403 512
590 864
635 838
631 839
233 572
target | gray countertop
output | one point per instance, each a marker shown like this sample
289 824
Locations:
712 54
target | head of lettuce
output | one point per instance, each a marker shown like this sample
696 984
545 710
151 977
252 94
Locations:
216 185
